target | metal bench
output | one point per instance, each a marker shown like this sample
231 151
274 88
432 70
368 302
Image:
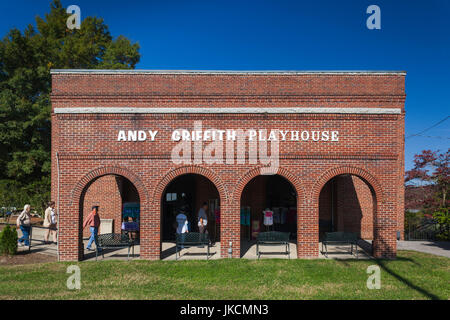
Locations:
273 238
191 239
350 238
114 241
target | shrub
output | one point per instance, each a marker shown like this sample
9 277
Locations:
8 241
443 218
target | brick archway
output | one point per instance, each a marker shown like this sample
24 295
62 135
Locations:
158 193
84 182
328 175
174 173
369 180
248 176
257 172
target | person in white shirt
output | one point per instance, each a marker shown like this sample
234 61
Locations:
182 225
203 218
50 220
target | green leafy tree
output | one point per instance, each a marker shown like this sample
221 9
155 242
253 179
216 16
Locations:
25 83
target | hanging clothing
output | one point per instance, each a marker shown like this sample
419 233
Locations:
276 215
268 217
245 216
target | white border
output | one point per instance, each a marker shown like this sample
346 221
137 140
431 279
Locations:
252 72
129 110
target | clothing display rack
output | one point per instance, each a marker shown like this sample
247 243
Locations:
246 220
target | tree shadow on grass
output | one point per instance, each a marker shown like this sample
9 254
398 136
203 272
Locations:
383 265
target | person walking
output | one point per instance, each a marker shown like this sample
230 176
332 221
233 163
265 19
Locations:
50 220
93 221
24 223
203 218
182 224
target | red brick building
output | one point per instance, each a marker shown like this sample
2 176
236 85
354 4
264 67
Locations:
333 141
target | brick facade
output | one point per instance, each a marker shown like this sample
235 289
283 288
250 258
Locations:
366 163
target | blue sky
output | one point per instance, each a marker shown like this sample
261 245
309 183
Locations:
287 35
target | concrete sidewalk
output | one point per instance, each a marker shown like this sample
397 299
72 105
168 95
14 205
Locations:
248 250
440 248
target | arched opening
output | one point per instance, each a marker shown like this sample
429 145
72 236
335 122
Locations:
347 203
187 195
118 204
262 197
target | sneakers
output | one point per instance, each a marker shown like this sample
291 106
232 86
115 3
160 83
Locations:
89 249
20 244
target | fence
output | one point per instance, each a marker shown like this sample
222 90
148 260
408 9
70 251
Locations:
427 229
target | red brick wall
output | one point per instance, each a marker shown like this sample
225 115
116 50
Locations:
106 193
352 203
370 145
354 206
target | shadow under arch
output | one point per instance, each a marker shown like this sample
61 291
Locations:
249 175
191 169
288 178
171 176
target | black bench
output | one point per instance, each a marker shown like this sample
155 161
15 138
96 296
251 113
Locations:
114 241
350 238
273 238
191 239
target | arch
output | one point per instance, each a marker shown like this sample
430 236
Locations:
289 176
174 173
328 175
108 170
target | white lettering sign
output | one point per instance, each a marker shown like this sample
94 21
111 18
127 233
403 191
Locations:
231 135
136 135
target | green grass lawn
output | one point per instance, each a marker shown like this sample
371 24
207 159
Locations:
412 276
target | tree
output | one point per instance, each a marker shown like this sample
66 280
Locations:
432 167
25 83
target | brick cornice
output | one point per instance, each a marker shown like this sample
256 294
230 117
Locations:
167 156
152 97
214 116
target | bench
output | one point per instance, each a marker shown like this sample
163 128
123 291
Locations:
191 239
273 238
340 238
114 241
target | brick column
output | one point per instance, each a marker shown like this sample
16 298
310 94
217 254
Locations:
385 228
150 231
230 229
308 229
70 241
